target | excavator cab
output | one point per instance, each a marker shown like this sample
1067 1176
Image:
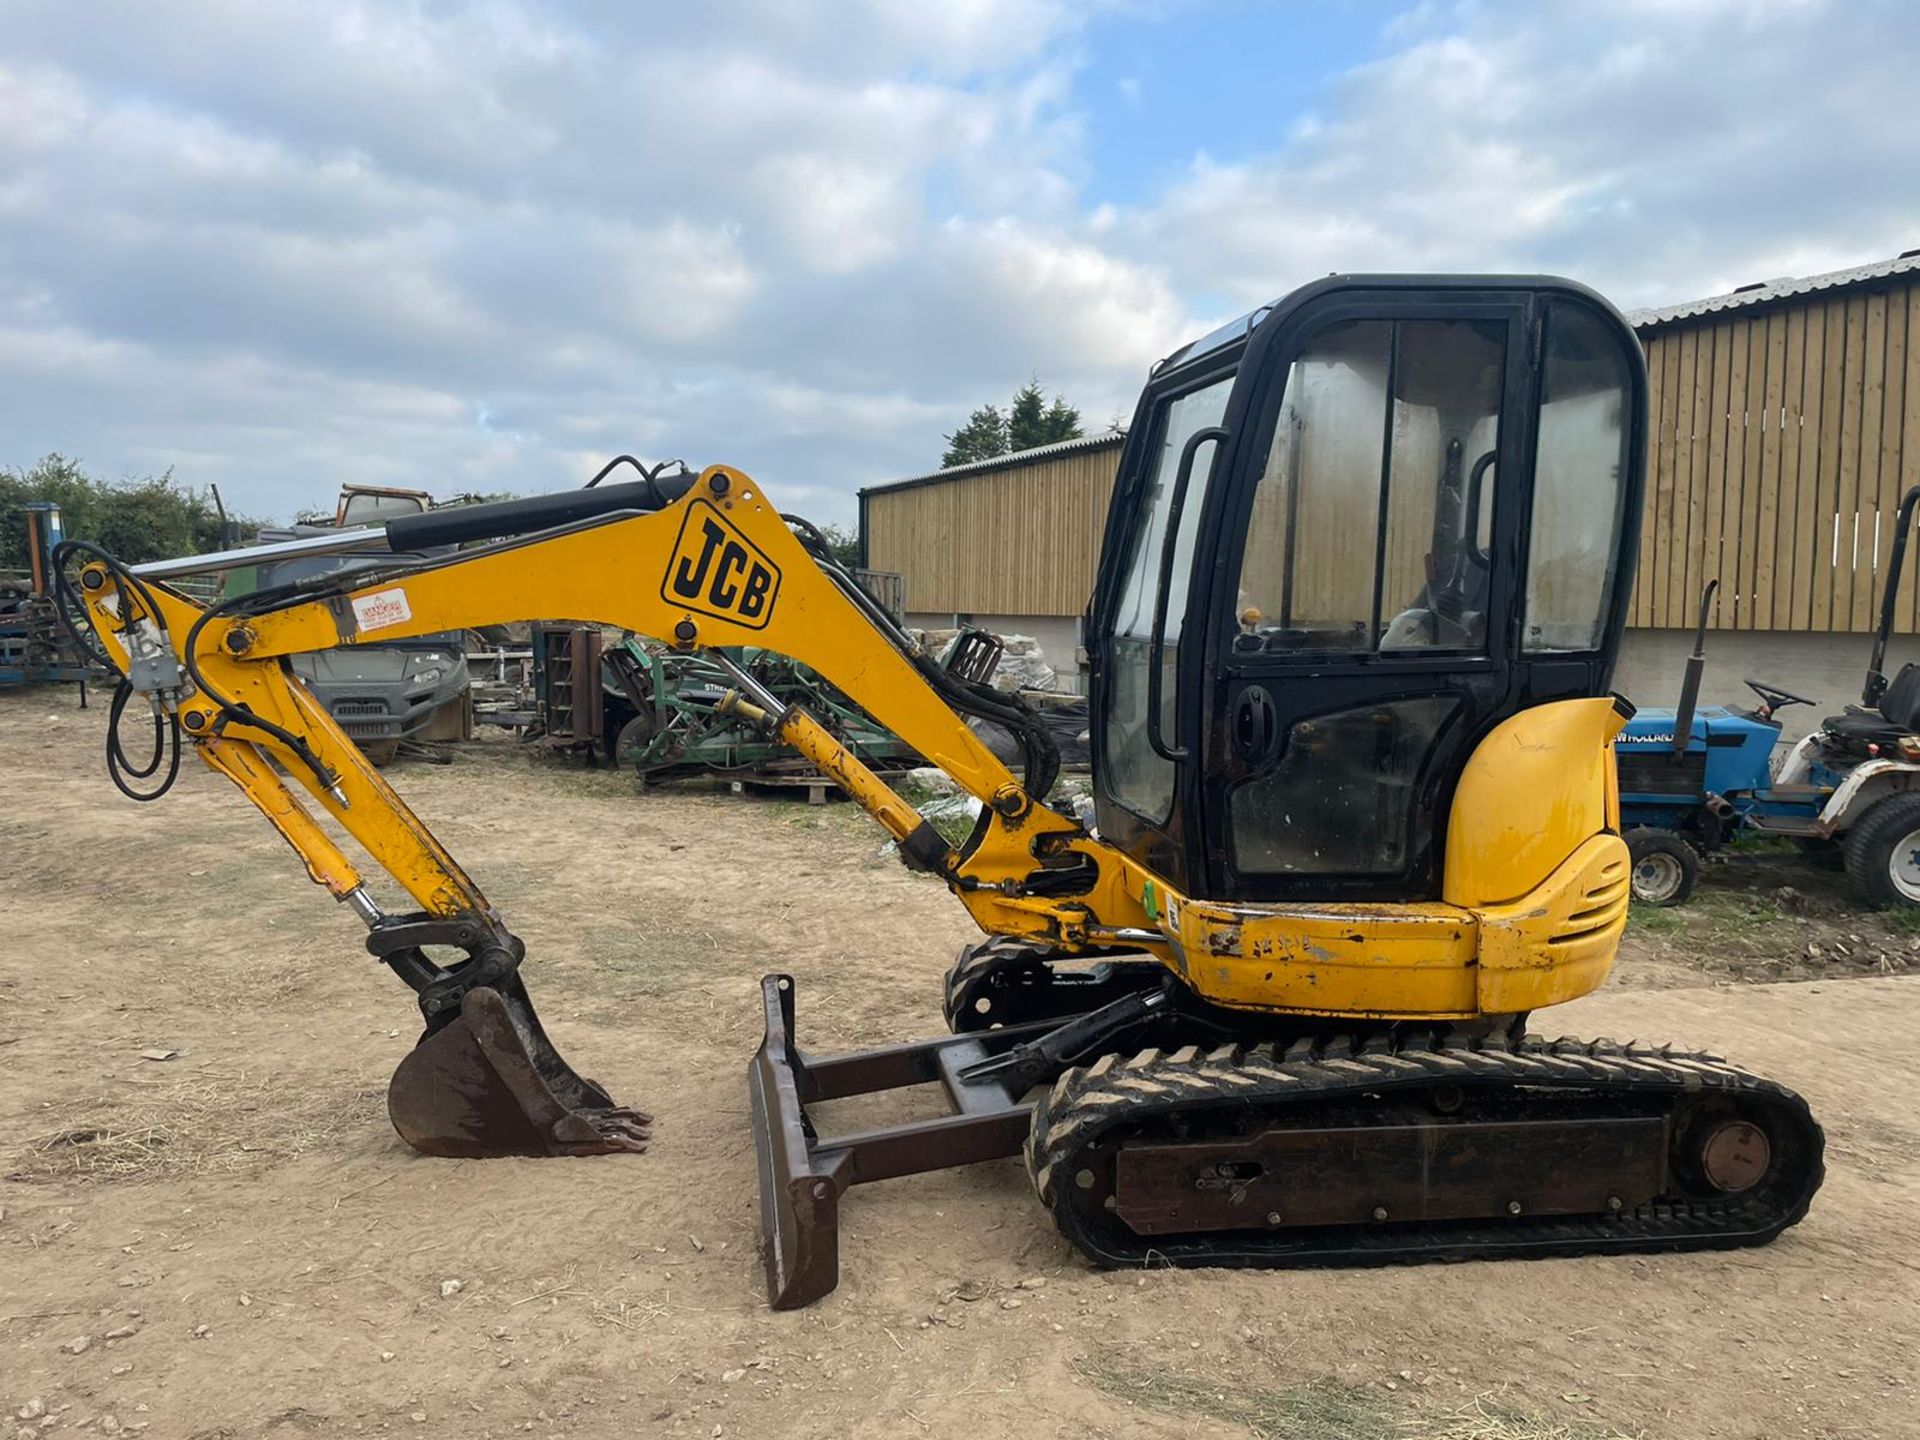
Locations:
1351 534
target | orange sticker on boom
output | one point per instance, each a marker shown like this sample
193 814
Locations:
717 571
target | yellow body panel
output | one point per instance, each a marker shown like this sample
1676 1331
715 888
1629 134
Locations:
1530 831
1363 960
1531 793
1534 883
1557 942
1412 961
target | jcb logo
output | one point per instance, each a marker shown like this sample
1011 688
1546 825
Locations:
717 571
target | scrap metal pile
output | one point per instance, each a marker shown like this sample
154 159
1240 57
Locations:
35 646
656 709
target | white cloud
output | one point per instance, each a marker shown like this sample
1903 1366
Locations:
38 110
1658 154
482 245
837 216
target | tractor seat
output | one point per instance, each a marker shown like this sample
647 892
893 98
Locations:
1897 715
1858 728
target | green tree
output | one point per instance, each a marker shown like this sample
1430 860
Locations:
981 438
153 518
1032 420
842 544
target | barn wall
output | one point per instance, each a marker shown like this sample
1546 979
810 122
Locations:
1020 541
1780 445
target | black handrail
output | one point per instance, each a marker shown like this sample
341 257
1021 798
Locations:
1471 540
1169 542
1876 685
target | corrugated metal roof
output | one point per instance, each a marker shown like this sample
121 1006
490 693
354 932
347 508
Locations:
1773 291
1003 462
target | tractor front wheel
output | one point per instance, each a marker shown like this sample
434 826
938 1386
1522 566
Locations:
1665 867
631 746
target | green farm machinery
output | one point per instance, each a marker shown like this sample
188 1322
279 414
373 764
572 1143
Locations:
659 718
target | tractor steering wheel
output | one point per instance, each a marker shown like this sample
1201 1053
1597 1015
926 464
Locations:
1773 698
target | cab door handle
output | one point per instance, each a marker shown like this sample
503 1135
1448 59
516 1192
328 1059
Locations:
1255 724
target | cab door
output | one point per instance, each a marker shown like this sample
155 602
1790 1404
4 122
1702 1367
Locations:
1369 611
1152 593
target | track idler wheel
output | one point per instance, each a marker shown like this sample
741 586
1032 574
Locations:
488 1082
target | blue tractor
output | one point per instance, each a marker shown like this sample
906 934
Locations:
1693 777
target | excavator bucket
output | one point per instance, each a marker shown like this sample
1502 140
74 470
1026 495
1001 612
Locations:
489 1082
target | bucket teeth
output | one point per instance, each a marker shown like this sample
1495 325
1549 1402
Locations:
490 1083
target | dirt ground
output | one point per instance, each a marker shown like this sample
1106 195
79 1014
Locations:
232 1242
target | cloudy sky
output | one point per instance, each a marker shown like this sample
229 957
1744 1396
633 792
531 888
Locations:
481 246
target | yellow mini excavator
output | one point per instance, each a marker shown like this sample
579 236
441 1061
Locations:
1360 593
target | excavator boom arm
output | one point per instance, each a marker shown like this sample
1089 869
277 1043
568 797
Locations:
717 568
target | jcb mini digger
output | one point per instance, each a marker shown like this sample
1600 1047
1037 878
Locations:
1361 589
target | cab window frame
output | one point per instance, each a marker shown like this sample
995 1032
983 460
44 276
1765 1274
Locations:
1629 501
1255 418
1221 364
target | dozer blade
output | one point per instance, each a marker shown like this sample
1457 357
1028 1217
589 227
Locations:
799 1201
803 1175
489 1082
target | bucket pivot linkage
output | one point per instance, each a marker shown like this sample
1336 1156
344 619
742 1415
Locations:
484 1080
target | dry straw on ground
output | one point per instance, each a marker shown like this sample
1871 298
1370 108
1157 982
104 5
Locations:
198 1125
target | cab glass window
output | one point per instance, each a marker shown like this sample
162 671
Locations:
1371 519
1135 775
1341 799
1579 482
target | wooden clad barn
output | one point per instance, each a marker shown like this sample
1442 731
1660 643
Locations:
1011 543
1016 535
1785 428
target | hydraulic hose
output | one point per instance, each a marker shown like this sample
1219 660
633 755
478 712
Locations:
166 745
1039 754
67 605
237 714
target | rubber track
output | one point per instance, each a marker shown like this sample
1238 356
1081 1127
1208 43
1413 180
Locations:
976 958
1119 1093
977 962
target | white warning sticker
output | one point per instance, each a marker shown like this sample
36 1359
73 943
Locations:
381 609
